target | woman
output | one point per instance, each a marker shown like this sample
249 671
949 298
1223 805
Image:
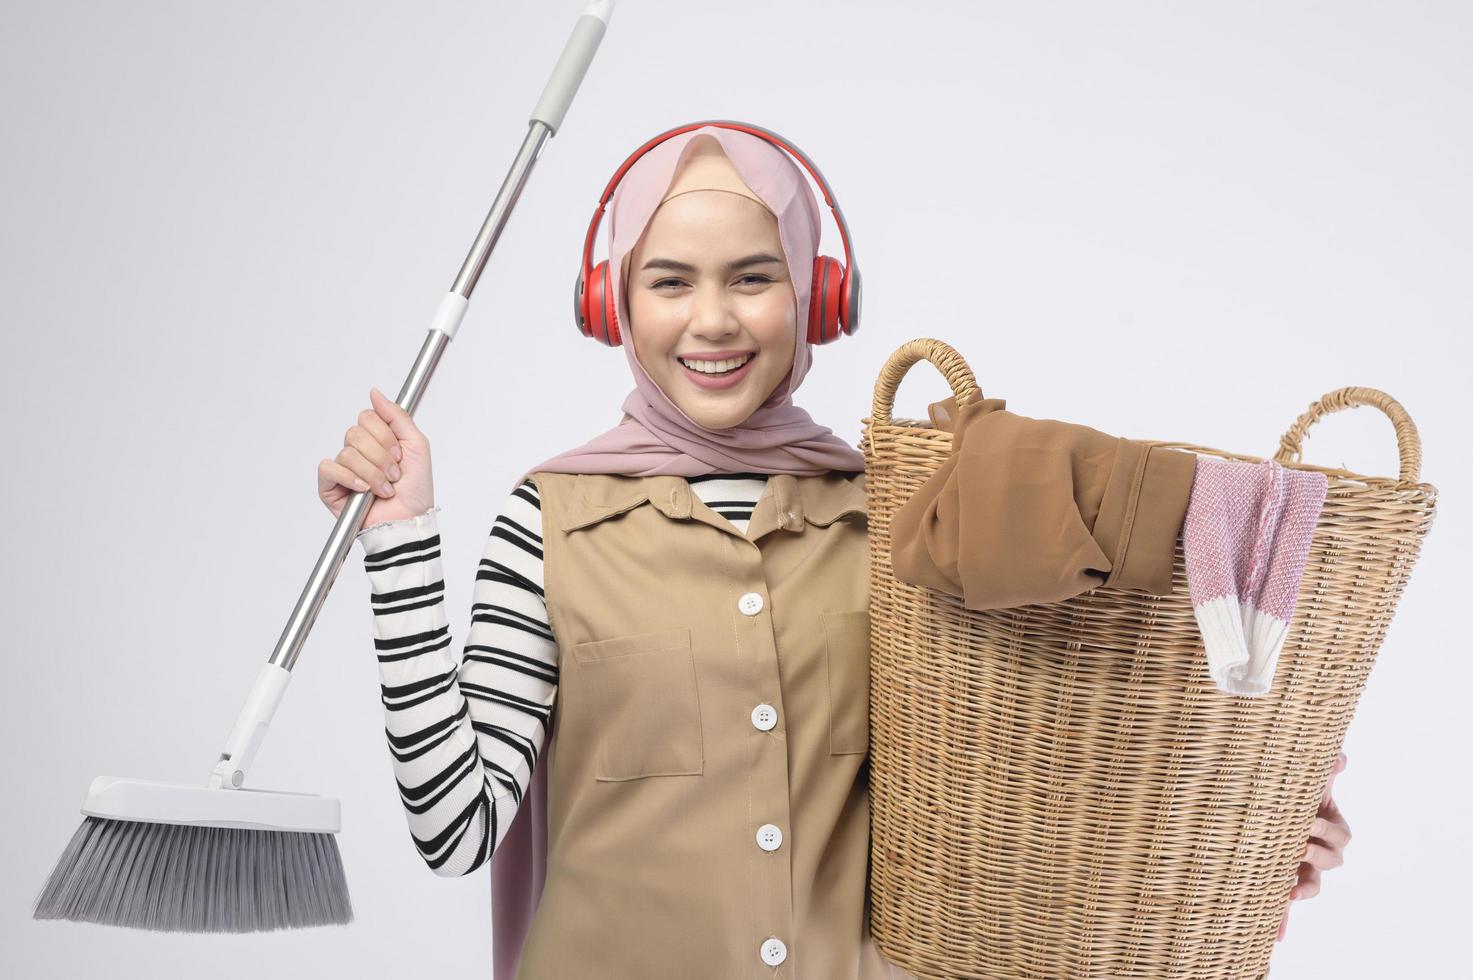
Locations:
689 589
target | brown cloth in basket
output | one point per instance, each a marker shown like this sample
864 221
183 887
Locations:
1037 510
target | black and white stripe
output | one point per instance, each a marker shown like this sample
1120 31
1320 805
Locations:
464 741
732 495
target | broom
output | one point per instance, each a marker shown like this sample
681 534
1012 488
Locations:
222 857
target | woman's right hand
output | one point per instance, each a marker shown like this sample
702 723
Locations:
385 452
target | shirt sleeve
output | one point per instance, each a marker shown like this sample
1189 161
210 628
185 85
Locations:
463 742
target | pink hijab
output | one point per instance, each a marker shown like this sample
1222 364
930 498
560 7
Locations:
655 437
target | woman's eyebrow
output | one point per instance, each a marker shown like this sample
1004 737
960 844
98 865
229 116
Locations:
675 266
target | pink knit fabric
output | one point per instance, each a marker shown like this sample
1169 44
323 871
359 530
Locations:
1246 538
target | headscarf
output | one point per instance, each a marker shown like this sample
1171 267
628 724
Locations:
655 437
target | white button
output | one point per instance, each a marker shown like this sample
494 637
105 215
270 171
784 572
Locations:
774 951
769 837
751 603
764 716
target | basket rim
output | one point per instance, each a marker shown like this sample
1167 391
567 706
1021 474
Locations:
911 425
1331 471
962 381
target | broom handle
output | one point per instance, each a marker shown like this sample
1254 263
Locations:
547 115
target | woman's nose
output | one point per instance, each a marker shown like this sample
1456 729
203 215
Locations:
712 314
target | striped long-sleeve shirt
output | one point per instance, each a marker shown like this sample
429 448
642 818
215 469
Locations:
464 741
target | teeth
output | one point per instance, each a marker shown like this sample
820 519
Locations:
716 367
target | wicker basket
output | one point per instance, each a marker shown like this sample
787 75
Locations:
1060 790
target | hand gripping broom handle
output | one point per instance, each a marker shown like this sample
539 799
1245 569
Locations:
250 727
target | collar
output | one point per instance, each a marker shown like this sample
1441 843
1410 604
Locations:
788 502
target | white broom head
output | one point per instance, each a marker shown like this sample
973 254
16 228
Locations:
176 857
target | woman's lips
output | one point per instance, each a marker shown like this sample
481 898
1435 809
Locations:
717 382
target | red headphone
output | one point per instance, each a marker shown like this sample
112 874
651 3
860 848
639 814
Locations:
833 306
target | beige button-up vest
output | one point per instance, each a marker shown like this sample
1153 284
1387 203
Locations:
708 798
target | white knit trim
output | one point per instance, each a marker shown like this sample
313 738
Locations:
1266 635
416 523
1242 644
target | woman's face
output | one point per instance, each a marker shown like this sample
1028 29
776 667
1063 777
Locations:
708 283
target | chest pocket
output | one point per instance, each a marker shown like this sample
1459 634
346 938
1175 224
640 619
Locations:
642 692
846 636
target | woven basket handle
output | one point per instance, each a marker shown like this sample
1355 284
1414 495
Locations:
1408 442
943 356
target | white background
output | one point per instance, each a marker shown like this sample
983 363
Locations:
225 221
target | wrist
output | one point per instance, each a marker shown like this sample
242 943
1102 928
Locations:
400 519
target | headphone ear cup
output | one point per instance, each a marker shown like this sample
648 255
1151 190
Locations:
850 303
613 336
596 308
824 300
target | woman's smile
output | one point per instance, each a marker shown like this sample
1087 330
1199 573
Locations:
716 375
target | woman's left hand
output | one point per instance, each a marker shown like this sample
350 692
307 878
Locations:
1328 836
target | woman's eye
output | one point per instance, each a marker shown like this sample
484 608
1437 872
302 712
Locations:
751 278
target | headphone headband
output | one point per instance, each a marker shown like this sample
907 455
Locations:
833 301
750 128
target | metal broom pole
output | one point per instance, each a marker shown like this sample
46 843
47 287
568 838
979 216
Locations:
222 857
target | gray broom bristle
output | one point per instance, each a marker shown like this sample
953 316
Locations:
184 878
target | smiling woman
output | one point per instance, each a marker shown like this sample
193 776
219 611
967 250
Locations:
718 335
658 726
